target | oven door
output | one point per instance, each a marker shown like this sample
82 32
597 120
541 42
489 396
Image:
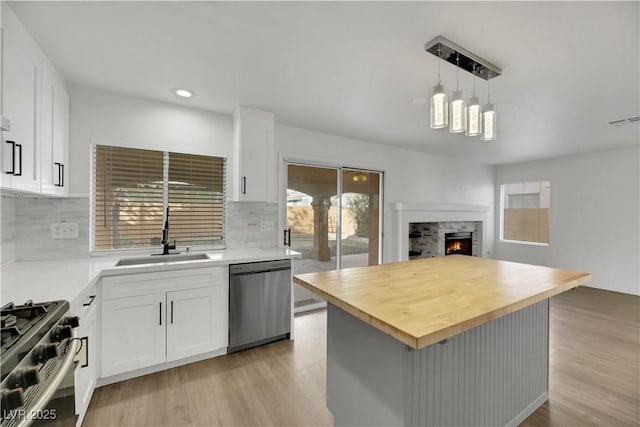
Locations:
51 402
60 411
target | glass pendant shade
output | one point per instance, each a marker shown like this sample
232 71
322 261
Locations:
488 123
457 114
474 117
439 108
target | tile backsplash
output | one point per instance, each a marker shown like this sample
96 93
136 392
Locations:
243 224
33 216
26 221
7 229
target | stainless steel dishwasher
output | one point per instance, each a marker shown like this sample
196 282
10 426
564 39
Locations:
259 303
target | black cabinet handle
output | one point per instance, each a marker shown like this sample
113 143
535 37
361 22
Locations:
62 176
13 157
19 147
160 314
244 185
284 238
172 312
91 298
59 166
287 237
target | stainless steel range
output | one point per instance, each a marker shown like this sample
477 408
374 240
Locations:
37 355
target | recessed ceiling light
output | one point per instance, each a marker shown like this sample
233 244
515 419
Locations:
183 93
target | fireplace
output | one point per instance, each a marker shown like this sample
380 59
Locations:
431 239
420 228
458 244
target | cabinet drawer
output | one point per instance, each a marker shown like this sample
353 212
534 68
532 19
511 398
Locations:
147 283
85 301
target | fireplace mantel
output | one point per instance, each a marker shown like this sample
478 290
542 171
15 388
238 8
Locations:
437 207
405 213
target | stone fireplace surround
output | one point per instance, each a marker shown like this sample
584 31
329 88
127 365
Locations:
458 217
428 238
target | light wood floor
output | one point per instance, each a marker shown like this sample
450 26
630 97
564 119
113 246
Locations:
594 376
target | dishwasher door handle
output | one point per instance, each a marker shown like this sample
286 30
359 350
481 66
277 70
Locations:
259 267
246 273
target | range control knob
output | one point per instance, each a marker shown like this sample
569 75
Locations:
23 378
44 352
58 333
73 321
11 399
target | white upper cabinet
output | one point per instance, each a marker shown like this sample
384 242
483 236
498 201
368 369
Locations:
34 99
20 91
54 134
253 172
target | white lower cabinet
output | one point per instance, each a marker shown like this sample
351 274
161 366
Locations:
86 371
133 333
194 324
186 316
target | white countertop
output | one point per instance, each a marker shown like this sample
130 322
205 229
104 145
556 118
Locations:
66 279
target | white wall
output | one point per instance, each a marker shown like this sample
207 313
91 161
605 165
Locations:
116 119
108 117
410 176
594 218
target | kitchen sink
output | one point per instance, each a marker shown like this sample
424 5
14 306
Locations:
160 259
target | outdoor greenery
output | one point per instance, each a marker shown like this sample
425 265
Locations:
358 204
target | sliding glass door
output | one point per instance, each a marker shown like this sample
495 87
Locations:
333 220
361 218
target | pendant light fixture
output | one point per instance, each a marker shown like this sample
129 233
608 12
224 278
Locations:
474 111
457 111
439 103
488 118
468 117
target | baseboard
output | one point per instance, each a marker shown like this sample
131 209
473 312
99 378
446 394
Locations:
530 409
157 368
310 307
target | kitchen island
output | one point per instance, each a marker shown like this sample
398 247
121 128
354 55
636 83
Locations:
453 340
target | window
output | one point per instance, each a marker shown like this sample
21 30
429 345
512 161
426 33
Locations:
524 212
131 189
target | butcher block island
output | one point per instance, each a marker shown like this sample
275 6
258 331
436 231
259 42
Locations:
453 340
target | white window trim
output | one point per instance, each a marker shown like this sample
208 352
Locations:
501 239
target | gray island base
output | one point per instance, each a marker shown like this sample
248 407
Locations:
495 374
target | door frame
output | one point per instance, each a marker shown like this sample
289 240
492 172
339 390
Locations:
283 163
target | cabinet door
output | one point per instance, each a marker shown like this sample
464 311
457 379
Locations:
60 138
20 91
47 168
196 321
133 333
254 162
53 134
86 372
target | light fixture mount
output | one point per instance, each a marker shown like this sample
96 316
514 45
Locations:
462 58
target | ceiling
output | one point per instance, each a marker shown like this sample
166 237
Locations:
355 68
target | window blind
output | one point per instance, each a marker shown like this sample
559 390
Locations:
131 189
196 199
